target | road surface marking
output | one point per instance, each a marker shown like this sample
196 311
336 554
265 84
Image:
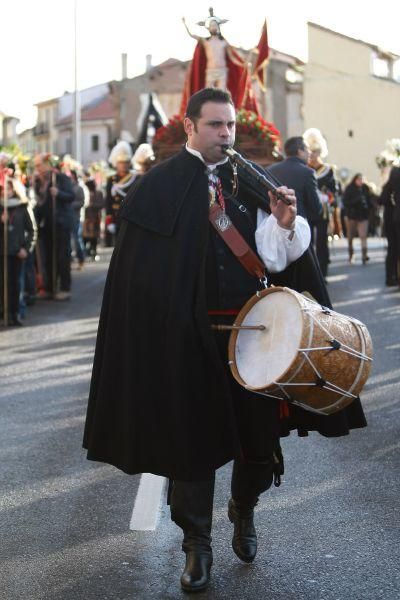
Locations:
145 512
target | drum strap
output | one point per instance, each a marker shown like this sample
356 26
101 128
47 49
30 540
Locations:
235 242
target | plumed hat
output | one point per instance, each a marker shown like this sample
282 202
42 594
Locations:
121 152
144 152
316 141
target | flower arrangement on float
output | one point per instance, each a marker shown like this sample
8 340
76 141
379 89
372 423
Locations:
257 137
249 125
390 155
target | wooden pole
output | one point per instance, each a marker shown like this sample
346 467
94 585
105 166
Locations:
54 241
5 252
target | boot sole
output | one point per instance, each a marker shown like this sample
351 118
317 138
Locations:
190 590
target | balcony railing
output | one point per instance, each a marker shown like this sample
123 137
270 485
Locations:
41 129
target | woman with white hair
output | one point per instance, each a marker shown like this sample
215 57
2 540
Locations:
327 186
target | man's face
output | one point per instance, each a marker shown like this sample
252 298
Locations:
213 28
314 158
304 153
122 167
215 127
41 167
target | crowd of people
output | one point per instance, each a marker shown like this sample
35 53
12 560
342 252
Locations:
332 210
53 218
58 214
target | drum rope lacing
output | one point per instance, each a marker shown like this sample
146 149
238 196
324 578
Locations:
335 344
321 382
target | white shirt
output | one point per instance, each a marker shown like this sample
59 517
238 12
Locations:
274 247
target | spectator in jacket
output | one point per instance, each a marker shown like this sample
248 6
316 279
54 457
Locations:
357 206
53 212
19 222
294 173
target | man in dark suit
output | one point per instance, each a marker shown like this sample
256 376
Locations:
294 173
390 199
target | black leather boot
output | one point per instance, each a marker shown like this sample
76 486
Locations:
191 509
244 541
249 480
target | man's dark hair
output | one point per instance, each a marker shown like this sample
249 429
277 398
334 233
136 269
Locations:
293 145
196 101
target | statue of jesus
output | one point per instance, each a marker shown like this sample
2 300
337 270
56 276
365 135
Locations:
215 48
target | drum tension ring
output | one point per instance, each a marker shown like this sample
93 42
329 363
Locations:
335 344
320 382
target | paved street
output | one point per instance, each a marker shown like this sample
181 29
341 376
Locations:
330 532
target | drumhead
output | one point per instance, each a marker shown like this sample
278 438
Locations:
263 356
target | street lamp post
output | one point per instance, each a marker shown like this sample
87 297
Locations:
77 100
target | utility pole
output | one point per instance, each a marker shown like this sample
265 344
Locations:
77 100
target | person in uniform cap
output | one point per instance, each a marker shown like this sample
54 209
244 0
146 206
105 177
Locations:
143 159
117 187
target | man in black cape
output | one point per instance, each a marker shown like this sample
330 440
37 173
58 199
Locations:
162 399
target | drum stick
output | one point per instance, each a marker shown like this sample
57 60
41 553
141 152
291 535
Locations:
236 327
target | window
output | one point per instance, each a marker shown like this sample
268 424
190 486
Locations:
293 76
95 143
68 145
380 67
396 70
386 66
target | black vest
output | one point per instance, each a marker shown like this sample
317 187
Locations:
228 284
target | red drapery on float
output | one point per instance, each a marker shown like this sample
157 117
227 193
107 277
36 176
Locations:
238 81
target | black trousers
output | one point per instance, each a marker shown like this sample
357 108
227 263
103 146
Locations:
392 263
90 246
14 272
61 251
321 245
253 473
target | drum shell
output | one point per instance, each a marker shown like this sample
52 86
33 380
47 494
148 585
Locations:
337 367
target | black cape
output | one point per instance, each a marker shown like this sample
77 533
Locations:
159 397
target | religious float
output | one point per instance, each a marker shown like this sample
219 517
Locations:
216 63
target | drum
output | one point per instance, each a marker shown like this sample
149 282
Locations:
286 346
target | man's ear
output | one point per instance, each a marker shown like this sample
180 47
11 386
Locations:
188 126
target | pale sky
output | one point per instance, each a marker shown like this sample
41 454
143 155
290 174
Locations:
37 38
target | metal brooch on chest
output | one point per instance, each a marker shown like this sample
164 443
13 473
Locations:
223 222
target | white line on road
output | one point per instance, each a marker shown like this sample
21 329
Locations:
145 512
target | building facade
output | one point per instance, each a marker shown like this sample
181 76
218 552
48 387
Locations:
45 132
8 129
352 94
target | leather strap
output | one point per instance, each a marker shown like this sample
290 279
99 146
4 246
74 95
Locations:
235 242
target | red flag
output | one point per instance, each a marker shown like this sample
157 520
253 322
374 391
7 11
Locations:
262 58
